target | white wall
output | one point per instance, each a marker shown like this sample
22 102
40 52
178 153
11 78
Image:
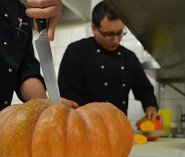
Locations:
66 34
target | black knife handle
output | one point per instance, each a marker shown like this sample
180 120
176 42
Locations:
42 24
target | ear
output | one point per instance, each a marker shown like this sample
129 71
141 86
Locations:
93 27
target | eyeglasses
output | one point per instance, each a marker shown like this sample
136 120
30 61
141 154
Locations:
111 35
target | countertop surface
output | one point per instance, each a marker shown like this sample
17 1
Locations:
163 147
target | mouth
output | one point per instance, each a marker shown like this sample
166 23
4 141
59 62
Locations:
113 47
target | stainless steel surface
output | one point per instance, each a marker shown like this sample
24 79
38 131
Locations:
46 60
178 136
179 124
166 76
180 120
160 26
75 11
177 89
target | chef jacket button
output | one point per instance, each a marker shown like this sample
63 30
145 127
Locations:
122 67
6 102
123 102
10 70
102 67
119 53
123 85
5 43
6 15
98 50
105 84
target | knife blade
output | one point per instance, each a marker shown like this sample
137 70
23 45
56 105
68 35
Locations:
150 133
43 48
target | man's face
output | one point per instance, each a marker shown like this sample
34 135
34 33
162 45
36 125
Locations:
109 34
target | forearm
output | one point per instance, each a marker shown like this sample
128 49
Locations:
32 88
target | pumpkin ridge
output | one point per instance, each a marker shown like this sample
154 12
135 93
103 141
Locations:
2 126
77 138
51 124
119 115
82 114
46 104
127 123
102 108
14 108
67 132
16 135
97 110
96 147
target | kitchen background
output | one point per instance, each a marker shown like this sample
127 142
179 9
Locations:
75 24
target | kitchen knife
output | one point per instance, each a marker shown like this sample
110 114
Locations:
46 61
150 133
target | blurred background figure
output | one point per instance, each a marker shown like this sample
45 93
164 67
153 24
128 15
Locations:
98 68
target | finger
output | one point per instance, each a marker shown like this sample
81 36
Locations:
153 116
149 115
51 28
70 103
35 25
52 24
43 12
41 3
160 119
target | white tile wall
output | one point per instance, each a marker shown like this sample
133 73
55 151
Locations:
69 33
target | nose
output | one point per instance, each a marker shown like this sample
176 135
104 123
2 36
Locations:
116 39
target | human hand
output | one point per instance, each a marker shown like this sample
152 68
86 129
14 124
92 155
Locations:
70 103
151 113
50 9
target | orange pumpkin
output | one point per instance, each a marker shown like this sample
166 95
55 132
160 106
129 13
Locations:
140 139
152 125
41 129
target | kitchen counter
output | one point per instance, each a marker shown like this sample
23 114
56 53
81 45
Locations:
163 147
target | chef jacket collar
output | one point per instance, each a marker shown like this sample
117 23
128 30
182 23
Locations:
98 46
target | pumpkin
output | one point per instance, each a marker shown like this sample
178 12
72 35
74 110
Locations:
145 124
140 139
38 128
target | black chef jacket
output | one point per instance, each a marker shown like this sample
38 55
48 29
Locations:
17 61
88 73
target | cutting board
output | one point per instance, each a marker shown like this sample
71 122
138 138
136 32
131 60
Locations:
164 147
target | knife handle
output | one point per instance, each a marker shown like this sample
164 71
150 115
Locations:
42 24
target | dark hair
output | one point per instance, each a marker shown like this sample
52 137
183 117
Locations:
100 11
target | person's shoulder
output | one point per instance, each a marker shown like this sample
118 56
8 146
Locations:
81 42
79 47
127 51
